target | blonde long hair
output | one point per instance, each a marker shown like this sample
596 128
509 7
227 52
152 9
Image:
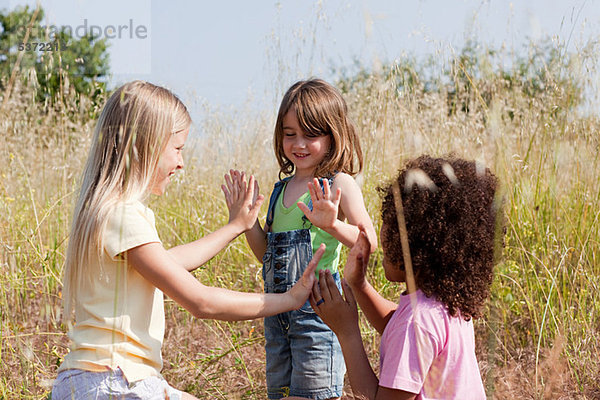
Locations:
321 110
132 131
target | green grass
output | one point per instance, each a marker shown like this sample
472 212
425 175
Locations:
541 333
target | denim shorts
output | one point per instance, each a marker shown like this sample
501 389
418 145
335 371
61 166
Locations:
304 357
77 384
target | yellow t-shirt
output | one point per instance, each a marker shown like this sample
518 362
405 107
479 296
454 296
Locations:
119 318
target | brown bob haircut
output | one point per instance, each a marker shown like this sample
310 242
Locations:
321 110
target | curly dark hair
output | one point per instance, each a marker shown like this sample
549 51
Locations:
450 218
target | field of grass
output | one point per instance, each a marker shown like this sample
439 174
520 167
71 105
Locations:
540 337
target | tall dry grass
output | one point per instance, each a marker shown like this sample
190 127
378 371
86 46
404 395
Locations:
540 337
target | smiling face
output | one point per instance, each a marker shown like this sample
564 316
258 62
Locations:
304 149
170 161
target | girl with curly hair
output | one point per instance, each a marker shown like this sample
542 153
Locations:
447 218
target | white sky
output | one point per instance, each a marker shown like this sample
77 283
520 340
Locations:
225 51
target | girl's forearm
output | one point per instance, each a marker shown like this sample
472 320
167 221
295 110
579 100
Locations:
227 305
194 254
157 266
376 308
347 234
343 232
257 240
363 380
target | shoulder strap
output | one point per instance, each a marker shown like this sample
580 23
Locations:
277 189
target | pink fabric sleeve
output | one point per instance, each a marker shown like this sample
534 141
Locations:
409 353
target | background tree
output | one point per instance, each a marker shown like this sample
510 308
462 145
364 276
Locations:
51 55
543 77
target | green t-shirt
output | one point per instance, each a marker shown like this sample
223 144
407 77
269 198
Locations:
289 219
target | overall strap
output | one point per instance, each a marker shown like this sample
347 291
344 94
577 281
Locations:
277 189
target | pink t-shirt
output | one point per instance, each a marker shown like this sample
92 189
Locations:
426 351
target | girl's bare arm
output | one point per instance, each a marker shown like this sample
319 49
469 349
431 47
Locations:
341 315
194 254
257 240
154 263
376 308
345 196
244 203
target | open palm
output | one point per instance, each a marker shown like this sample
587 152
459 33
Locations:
325 208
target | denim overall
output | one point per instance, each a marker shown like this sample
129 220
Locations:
304 357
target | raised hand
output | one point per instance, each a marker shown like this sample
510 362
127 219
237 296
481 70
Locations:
302 289
325 208
355 270
242 198
340 314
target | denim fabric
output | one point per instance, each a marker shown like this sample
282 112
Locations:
87 385
304 357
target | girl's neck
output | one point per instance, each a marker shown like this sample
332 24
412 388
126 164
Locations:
408 291
304 175
295 188
408 288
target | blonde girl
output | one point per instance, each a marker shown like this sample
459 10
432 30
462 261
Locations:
318 152
117 268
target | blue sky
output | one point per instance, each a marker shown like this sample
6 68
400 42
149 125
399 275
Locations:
225 52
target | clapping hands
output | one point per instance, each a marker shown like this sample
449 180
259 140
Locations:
339 313
242 198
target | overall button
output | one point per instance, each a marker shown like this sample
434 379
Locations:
278 266
277 280
278 238
280 251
